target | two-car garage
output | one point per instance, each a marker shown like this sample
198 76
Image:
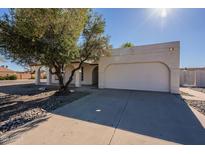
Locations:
150 67
138 76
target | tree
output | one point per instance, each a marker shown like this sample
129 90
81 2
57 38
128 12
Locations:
127 45
53 38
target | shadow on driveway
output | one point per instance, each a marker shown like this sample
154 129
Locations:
22 89
154 114
159 115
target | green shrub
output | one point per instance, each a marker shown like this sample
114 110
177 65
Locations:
8 77
2 78
12 77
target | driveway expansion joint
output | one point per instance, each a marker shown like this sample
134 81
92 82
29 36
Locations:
120 118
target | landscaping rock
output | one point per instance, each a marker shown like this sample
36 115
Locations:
42 88
72 91
199 89
30 103
198 105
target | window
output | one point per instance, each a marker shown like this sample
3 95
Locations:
82 73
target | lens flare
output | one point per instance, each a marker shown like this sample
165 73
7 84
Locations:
163 13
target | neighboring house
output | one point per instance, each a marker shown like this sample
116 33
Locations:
149 67
193 77
23 75
5 71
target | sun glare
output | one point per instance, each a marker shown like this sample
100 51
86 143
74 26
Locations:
163 13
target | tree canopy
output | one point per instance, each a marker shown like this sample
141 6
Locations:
127 45
29 35
53 38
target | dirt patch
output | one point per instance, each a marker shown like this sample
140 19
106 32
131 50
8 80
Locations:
23 104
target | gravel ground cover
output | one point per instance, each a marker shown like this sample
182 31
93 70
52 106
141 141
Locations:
22 104
185 94
198 105
199 89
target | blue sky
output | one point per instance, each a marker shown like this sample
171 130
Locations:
147 26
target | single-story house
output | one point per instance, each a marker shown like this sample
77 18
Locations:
5 71
192 77
152 67
24 75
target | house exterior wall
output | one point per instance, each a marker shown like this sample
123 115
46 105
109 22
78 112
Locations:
88 69
187 77
23 75
87 74
200 78
192 77
54 79
164 53
6 73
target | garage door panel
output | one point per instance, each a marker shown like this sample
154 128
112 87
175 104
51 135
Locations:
138 76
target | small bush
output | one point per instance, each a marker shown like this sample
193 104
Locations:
9 77
2 78
12 77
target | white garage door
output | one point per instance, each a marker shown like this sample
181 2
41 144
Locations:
138 76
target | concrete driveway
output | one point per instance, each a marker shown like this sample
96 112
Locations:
120 117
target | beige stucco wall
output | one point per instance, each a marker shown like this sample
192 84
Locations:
6 73
187 77
200 78
156 53
192 77
87 68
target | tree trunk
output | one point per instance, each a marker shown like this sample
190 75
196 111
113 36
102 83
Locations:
61 85
64 87
72 74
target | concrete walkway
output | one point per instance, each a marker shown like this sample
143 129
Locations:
120 117
194 95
